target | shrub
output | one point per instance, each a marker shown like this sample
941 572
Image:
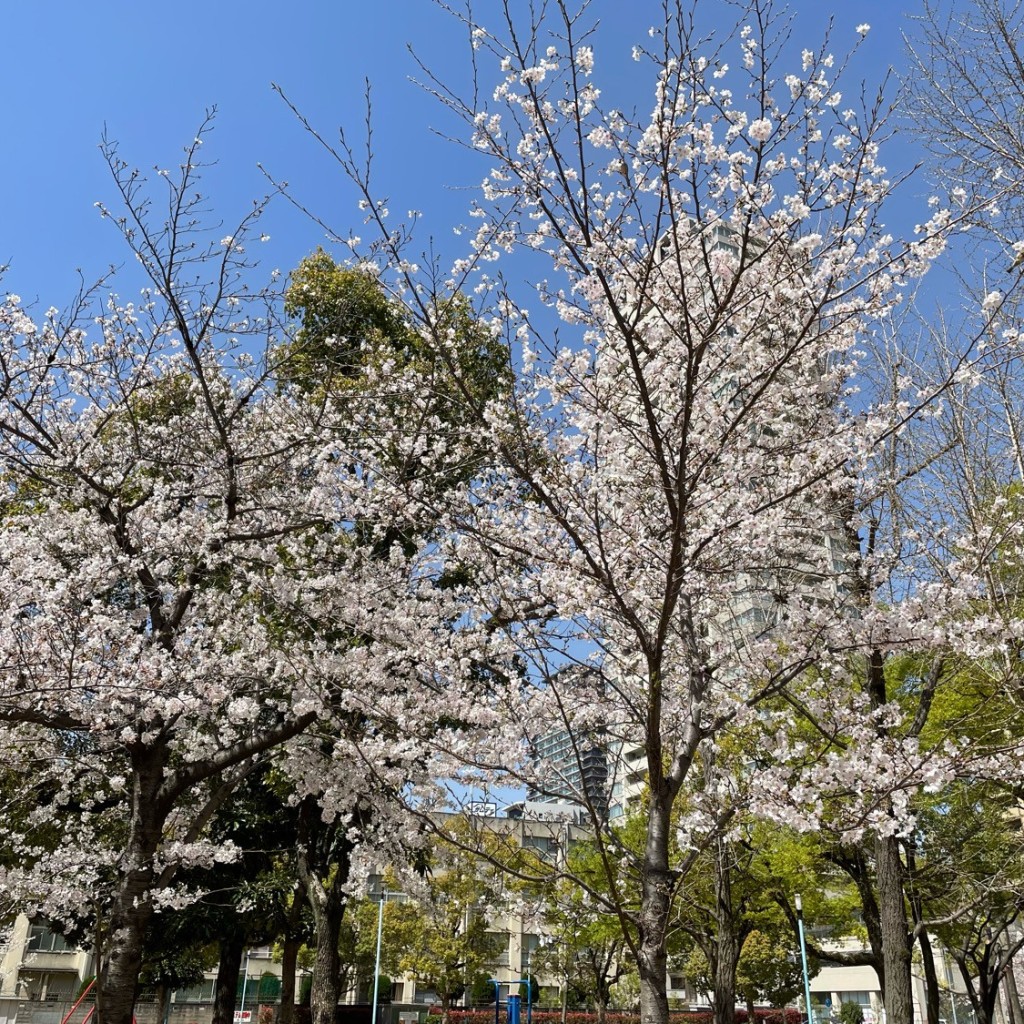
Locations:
851 1013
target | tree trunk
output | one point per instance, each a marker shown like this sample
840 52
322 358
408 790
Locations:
931 977
324 852
289 962
232 948
751 1011
933 1005
163 1002
655 905
132 911
119 980
327 915
973 987
989 998
727 945
856 866
899 1002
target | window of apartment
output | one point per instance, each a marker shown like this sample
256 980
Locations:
62 984
545 845
201 993
862 999
42 940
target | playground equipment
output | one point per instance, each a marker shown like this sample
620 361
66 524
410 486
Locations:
513 1009
92 1009
90 1012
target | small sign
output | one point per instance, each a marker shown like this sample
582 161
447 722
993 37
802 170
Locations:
243 1016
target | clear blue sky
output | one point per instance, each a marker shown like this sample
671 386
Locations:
148 70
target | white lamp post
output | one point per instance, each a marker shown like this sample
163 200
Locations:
245 978
803 958
384 894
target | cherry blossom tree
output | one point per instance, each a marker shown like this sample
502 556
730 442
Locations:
176 529
686 531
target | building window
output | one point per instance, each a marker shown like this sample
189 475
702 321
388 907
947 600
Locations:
42 940
201 993
862 999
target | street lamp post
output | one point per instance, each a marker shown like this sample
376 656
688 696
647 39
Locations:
245 980
384 894
803 958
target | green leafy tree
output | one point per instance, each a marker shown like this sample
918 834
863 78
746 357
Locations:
349 327
348 332
587 950
441 934
767 972
482 991
529 991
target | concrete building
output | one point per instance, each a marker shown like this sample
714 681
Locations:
575 770
37 965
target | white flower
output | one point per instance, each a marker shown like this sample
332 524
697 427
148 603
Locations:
864 28
227 241
761 129
991 301
585 59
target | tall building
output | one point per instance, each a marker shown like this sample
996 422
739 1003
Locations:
575 771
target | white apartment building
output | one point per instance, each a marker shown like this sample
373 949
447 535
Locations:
37 964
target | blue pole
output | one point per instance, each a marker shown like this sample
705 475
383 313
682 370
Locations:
803 959
376 963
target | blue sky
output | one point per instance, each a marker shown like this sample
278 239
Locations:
148 70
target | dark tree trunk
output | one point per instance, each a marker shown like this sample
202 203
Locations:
727 941
751 1013
931 977
327 915
974 986
899 1003
989 992
324 857
289 962
232 948
889 881
163 1002
119 980
933 1006
132 911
